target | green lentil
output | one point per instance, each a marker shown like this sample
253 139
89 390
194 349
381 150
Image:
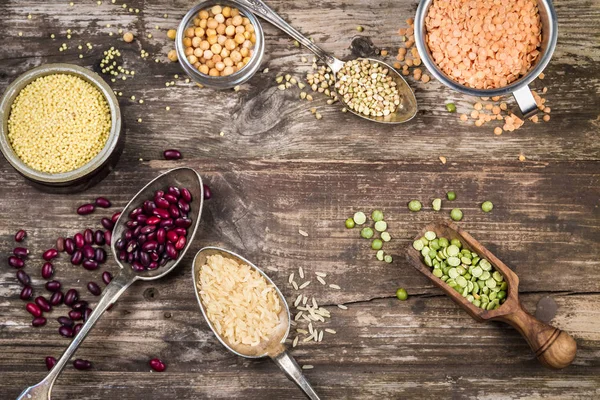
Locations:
436 204
377 244
380 226
451 107
385 236
415 205
377 215
401 294
487 206
451 195
456 214
349 223
366 233
360 218
379 255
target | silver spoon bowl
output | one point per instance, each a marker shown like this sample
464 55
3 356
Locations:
274 347
181 177
408 103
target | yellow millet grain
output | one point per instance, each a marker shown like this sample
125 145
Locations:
58 123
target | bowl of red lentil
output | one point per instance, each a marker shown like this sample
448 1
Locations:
487 48
220 44
61 125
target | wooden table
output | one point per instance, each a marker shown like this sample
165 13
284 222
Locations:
276 171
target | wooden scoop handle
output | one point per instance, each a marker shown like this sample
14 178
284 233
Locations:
553 347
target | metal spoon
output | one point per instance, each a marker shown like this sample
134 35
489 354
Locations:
408 105
274 348
182 177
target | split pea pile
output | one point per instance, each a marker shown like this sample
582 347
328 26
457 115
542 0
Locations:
484 44
367 88
463 270
220 42
58 123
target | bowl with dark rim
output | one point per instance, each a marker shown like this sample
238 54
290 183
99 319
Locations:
97 167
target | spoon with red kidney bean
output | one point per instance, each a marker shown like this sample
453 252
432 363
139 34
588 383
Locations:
180 178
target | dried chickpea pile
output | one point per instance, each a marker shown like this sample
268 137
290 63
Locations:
58 123
484 44
221 41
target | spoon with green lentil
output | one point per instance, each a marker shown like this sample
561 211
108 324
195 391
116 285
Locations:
369 88
444 253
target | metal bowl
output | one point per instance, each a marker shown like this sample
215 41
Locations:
221 82
518 88
81 176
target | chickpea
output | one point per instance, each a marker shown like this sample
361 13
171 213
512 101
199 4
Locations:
220 66
189 51
199 32
196 41
247 35
249 28
230 44
221 39
210 63
246 60
236 56
228 62
196 21
216 48
192 59
216 58
221 29
212 39
240 29
240 65
226 12
187 42
228 71
245 21
245 52
237 20
216 9
228 22
239 38
171 34
128 37
220 18
253 38
211 32
203 14
212 23
230 30
204 45
203 69
213 72
189 32
224 53
203 23
235 12
208 54
198 52
172 55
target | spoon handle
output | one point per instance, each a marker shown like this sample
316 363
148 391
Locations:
259 8
293 371
111 293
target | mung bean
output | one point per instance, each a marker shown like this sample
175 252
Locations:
401 294
415 205
487 206
377 215
380 226
451 107
349 223
451 195
377 244
366 233
360 218
456 214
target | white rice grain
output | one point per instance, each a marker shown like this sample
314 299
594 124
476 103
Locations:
301 272
343 307
305 284
321 280
334 287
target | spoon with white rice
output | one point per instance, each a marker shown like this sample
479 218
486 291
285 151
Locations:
245 310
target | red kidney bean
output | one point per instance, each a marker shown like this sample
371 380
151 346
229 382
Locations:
20 252
86 209
90 265
81 305
71 297
99 238
15 262
88 252
142 239
75 315
106 277
157 365
26 293
154 256
20 235
170 198
167 223
180 244
100 255
150 246
153 265
148 229
102 202
145 259
161 235
77 257
122 255
66 331
107 224
50 254
164 260
39 321
23 277
162 203
69 246
158 194
77 328
120 244
115 217
33 309
180 231
79 240
141 219
94 288
56 298
87 313
131 246
47 270
88 236
60 244
50 362
43 304
152 220
183 206
172 154
174 211
137 231
151 236
171 251
207 192
186 195
172 236
82 364
66 321
148 206
137 266
107 237
53 286
183 222
161 213
135 212
128 235
174 191
130 258
132 224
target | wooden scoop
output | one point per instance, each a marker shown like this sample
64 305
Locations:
553 347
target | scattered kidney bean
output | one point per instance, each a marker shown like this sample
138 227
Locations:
43 304
20 252
87 313
15 262
75 315
33 309
60 244
71 297
99 238
39 321
47 270
23 277
90 265
50 254
207 192
26 293
56 298
80 305
94 288
77 257
50 362
77 328
66 321
82 364
88 252
186 195
157 365
102 202
86 209
107 223
66 331
69 246
53 286
115 217
106 277
20 235
108 237
88 236
79 240
180 244
172 154
100 255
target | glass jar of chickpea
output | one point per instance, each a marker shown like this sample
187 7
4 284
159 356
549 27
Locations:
220 45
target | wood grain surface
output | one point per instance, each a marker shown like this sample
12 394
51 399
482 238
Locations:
277 170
